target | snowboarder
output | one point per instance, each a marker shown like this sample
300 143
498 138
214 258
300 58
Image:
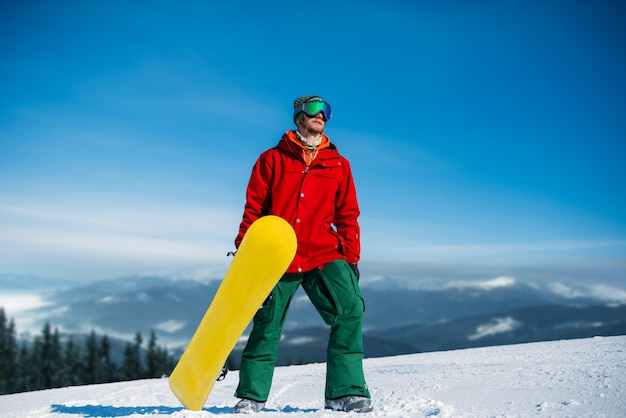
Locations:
308 183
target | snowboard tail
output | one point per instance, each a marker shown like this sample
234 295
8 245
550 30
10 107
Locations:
263 256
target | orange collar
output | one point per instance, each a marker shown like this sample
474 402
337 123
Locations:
293 138
308 154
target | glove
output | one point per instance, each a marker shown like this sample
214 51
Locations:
355 269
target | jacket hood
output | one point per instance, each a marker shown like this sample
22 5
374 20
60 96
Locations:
291 144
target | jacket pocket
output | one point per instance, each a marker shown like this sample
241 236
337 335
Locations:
342 285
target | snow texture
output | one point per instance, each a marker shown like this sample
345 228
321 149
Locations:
576 378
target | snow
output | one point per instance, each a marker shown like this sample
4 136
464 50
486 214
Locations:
171 326
608 293
575 378
495 326
14 303
498 282
597 291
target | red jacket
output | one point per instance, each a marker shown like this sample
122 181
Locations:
313 191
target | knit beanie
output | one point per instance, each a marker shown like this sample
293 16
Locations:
299 102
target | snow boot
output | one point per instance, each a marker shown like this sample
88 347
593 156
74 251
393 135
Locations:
248 406
350 403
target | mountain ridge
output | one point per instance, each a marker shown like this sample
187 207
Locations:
397 320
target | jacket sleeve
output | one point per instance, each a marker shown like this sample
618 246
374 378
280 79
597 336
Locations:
346 215
258 196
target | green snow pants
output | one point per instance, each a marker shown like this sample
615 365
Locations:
335 293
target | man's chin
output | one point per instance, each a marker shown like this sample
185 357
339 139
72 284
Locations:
315 130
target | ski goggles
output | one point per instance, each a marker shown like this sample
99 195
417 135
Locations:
314 107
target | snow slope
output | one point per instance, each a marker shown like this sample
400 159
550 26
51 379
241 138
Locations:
576 378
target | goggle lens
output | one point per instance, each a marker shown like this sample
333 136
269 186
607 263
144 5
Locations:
314 107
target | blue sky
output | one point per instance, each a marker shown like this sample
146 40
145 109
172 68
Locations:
487 138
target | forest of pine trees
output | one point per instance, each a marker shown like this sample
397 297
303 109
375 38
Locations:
48 362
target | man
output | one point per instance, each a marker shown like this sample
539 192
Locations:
308 183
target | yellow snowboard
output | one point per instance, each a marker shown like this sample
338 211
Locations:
265 252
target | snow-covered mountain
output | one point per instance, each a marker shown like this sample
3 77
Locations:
574 378
398 319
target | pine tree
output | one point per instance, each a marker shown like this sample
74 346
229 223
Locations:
72 372
91 372
47 363
166 362
46 356
152 357
36 358
107 367
25 375
8 355
56 360
158 361
131 366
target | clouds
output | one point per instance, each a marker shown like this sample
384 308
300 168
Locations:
44 237
96 238
423 249
507 250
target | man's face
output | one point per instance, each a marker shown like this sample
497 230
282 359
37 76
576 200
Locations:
313 124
